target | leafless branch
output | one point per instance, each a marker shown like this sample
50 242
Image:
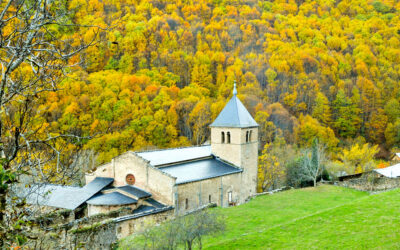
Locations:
27 43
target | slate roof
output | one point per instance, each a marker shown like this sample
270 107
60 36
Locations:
67 197
54 195
143 208
135 191
142 212
111 199
167 156
155 203
199 170
234 115
391 172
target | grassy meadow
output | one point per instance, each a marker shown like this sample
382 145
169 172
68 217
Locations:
325 217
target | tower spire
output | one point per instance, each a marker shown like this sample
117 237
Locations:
234 87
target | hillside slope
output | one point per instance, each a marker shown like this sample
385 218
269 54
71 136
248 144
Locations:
322 217
163 72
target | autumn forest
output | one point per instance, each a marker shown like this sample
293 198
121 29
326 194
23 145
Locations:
161 71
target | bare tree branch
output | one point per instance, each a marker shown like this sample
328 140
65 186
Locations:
34 59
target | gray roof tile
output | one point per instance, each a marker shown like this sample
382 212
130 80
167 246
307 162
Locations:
146 212
135 191
155 203
66 196
111 199
234 115
199 170
143 208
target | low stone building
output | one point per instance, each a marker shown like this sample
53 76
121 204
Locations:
374 180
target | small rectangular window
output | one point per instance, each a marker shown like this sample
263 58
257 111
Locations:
230 197
222 137
186 203
209 198
228 135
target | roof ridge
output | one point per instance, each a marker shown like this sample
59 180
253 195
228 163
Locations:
44 184
237 109
165 149
133 186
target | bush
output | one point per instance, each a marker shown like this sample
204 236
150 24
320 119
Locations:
185 231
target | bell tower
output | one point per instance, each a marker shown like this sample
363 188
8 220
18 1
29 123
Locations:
234 138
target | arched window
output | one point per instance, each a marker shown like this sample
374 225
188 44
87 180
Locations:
247 136
222 137
250 135
228 135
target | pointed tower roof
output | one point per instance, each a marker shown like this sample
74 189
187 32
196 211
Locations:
234 114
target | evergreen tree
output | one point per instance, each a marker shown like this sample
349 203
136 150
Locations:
346 114
321 110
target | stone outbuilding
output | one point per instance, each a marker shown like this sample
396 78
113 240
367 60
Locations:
375 180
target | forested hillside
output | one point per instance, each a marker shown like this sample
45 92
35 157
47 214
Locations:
163 70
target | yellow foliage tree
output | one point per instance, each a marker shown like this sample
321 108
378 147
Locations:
309 128
359 158
272 164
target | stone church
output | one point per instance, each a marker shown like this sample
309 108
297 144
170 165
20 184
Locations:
224 172
176 179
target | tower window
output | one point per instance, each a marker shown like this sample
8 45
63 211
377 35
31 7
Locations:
209 198
228 135
186 203
250 135
247 136
222 137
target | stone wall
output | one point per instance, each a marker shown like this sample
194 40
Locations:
101 231
371 181
101 209
239 152
105 170
229 152
147 177
160 185
198 193
128 227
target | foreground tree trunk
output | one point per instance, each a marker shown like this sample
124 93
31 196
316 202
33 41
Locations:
189 245
2 211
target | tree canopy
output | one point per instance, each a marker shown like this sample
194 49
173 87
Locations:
165 70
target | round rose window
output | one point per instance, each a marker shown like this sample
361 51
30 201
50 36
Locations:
130 179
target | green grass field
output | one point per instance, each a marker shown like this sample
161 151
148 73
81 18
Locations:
326 217
323 217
